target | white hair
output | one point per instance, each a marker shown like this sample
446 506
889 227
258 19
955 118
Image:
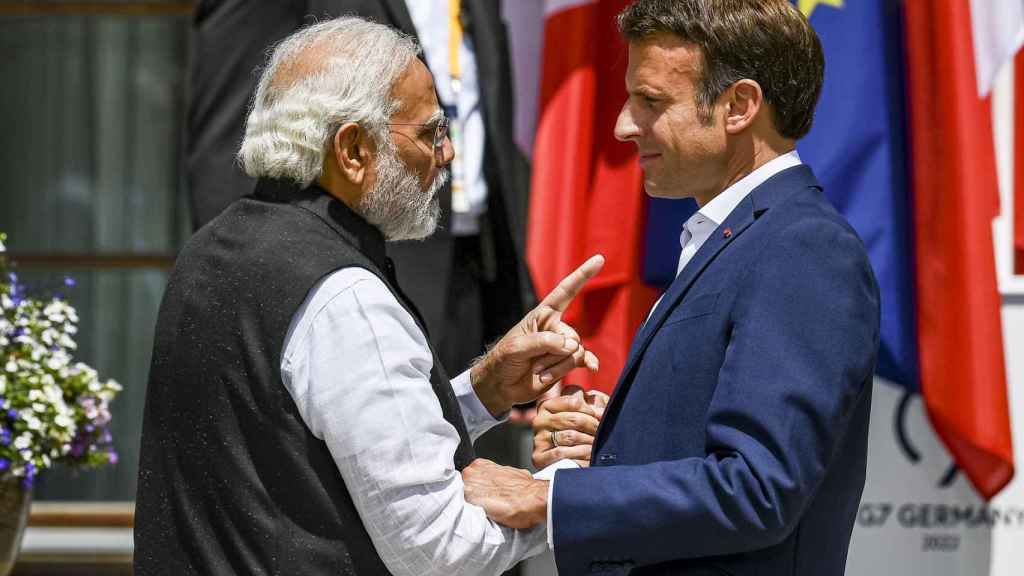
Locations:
317 79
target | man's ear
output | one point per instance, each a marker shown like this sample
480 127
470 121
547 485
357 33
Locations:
352 152
744 101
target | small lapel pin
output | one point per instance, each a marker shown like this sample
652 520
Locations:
727 233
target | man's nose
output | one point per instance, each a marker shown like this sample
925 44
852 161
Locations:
446 153
625 128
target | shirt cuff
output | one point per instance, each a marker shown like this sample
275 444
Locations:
551 495
478 418
549 473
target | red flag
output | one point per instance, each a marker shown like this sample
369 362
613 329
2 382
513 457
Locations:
587 193
1018 178
955 195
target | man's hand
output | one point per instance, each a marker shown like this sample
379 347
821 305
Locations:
538 351
509 496
565 427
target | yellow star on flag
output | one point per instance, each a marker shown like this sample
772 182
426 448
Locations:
808 6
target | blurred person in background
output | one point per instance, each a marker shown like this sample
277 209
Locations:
469 279
297 419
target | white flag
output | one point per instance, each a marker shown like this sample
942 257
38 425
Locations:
998 30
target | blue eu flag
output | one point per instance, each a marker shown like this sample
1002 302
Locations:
858 150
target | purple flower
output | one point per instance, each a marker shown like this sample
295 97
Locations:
70 282
5 436
30 476
12 413
113 457
4 464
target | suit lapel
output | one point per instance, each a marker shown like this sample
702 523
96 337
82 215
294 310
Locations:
481 24
736 223
748 210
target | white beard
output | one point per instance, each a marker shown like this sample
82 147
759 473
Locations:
397 205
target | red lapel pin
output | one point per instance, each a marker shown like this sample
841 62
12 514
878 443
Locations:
727 233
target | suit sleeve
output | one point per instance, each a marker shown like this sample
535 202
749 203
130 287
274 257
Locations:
803 345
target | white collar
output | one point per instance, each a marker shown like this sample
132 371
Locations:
722 205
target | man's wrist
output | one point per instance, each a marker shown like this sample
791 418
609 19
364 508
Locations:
538 501
486 389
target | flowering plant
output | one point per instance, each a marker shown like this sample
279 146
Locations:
52 409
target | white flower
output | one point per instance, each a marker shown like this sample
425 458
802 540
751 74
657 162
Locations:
12 366
2 247
23 442
57 361
33 423
51 390
64 421
6 303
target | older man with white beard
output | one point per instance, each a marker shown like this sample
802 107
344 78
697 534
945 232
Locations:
297 420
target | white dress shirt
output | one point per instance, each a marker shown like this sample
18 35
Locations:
696 231
358 368
430 17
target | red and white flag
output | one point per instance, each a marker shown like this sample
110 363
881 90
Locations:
587 187
951 68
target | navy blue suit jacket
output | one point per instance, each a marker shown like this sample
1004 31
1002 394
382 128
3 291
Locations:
736 439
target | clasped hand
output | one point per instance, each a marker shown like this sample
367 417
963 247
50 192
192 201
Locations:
531 358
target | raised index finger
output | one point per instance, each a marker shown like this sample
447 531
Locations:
570 286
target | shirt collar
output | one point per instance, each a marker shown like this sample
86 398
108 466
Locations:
722 205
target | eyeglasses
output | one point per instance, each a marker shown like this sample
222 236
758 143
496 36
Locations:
440 133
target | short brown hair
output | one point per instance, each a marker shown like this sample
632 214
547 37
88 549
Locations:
768 41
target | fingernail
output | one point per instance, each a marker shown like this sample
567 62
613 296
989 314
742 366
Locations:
570 345
546 377
537 368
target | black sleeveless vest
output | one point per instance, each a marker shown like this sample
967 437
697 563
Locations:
231 481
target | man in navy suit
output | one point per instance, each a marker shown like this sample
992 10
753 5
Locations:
736 439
